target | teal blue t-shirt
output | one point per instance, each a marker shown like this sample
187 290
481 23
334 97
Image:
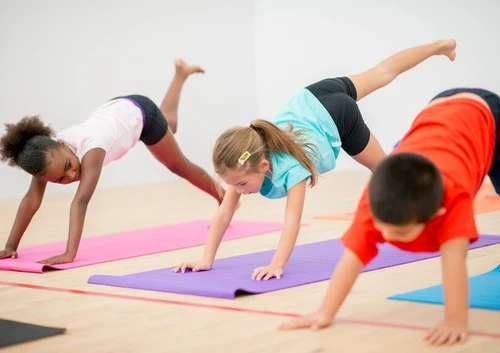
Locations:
306 113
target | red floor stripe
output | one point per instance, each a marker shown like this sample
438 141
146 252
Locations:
227 308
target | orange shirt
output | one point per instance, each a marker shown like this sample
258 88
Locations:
458 136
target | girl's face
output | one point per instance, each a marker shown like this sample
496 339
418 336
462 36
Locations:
63 167
247 182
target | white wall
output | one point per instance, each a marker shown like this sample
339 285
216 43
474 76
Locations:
299 42
61 59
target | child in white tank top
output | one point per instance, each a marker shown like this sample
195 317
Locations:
79 153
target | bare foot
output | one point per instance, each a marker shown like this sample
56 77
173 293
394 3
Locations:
181 68
447 47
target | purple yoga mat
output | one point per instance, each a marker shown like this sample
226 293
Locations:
230 276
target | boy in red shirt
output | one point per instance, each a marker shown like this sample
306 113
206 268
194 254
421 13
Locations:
420 199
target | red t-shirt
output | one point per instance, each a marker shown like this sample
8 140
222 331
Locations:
458 136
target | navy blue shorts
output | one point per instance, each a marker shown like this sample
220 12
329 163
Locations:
155 124
493 101
338 96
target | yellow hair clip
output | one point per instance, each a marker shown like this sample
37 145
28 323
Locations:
244 157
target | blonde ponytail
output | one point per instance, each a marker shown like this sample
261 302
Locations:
260 139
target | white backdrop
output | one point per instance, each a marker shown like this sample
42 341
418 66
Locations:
300 42
62 59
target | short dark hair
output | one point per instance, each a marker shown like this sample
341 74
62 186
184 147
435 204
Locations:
26 143
405 188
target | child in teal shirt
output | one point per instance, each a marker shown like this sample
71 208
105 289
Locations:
276 159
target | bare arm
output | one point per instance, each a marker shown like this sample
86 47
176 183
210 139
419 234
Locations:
91 170
218 227
343 278
456 294
28 207
220 222
293 215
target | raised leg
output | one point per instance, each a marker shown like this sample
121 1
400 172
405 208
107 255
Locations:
170 102
387 70
167 152
371 155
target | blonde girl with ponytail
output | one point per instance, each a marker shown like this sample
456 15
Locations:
280 158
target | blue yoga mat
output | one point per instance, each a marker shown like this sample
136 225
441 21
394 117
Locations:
484 292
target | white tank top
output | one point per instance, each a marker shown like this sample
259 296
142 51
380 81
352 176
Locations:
115 127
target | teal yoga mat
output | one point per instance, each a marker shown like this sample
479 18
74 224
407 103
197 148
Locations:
484 292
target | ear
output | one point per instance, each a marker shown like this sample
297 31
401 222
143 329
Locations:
441 211
63 144
264 166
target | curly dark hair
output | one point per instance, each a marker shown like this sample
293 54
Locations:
25 144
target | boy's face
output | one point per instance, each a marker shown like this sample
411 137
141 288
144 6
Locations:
404 233
63 167
401 233
247 182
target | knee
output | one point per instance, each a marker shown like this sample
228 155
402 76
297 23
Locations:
386 74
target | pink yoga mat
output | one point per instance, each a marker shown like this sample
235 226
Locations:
112 247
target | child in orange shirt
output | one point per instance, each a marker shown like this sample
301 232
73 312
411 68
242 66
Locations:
420 199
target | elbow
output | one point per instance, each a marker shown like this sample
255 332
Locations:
81 203
226 215
33 203
35 206
179 171
181 168
294 220
386 74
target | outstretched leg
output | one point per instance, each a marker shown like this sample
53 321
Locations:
171 100
169 154
384 73
387 70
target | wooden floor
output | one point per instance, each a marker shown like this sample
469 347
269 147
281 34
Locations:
132 322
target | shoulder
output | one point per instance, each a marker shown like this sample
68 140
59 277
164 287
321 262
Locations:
283 163
458 219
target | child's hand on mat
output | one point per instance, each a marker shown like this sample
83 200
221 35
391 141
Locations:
315 321
195 266
7 252
267 272
448 332
58 259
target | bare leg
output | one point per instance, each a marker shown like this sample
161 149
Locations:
171 101
387 70
169 154
371 155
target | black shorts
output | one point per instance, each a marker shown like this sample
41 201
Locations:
155 124
493 101
338 96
